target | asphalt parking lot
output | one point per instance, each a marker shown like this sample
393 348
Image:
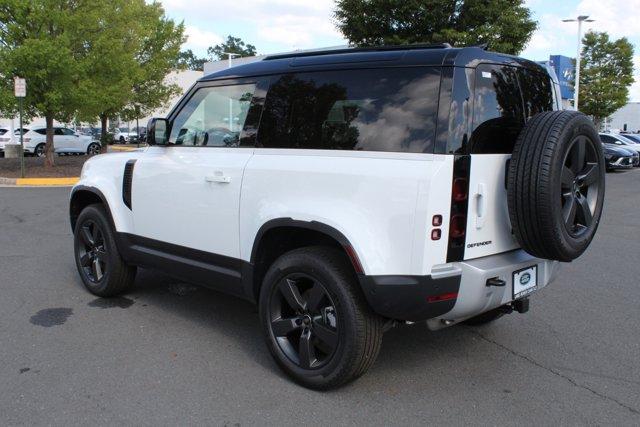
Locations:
170 353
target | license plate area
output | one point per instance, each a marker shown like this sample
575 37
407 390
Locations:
525 281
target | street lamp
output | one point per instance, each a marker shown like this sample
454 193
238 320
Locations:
576 87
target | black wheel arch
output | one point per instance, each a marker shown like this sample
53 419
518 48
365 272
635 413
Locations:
83 196
280 235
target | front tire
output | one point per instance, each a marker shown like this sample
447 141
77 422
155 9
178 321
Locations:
102 269
317 324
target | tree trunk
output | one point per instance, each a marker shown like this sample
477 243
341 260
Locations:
48 148
103 132
597 121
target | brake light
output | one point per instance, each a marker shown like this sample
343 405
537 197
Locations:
460 190
458 226
26 139
459 206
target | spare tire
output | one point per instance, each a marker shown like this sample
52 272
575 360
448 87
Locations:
555 185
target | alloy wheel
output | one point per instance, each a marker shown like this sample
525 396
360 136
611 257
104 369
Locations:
40 150
92 252
303 321
580 185
94 149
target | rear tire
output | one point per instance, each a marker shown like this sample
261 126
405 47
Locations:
39 150
102 269
93 149
317 324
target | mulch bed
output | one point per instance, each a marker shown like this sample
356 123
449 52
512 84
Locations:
65 166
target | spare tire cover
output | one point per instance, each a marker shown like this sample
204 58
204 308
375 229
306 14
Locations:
556 184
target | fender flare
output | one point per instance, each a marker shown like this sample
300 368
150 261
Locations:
308 225
95 191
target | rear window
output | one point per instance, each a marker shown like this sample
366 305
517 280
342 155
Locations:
504 99
391 109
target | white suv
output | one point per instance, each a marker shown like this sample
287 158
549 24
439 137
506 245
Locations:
65 140
346 191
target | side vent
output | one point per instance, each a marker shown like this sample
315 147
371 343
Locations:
127 182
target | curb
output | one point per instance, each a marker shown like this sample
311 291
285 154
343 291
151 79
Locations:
125 148
39 182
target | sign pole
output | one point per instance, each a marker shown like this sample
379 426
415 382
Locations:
20 100
20 89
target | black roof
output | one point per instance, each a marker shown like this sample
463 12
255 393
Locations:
388 56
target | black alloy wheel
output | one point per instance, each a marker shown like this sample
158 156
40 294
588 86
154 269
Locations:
580 185
304 321
317 323
91 252
39 151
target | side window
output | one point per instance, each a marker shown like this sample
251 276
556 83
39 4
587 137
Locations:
393 110
68 132
213 117
58 131
40 131
607 139
498 113
537 92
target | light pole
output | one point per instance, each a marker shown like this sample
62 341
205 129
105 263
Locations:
231 55
576 86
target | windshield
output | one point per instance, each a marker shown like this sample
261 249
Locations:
633 138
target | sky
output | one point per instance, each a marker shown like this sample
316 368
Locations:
284 25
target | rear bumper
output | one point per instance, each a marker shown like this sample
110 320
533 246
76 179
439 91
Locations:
453 292
475 297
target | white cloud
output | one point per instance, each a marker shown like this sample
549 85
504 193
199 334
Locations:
200 39
287 23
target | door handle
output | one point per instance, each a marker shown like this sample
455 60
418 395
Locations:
480 206
218 177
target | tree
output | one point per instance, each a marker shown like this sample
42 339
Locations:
40 42
504 25
189 61
232 45
606 72
141 57
85 59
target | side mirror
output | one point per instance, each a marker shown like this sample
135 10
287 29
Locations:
158 131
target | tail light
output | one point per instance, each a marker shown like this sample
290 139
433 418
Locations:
458 227
26 139
459 206
460 190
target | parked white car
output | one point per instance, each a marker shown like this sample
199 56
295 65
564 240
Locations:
65 140
123 137
5 137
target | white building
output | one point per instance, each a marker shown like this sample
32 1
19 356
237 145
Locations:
625 119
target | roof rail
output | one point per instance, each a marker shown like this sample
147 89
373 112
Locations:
356 49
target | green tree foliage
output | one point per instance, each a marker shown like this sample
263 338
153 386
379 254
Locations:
189 61
504 25
606 72
232 45
86 58
150 51
39 41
